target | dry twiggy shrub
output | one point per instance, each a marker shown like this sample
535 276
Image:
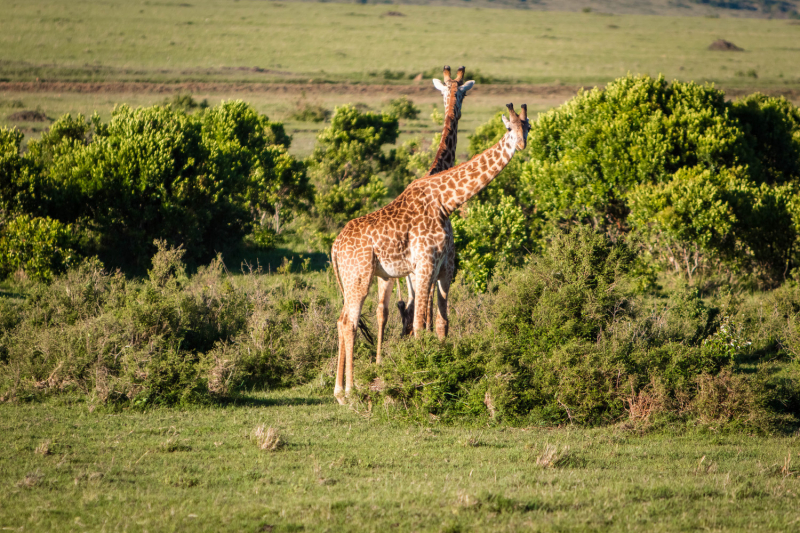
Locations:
640 406
464 499
267 439
552 458
786 469
30 480
43 448
487 400
220 375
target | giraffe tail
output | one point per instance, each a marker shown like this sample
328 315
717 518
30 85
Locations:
365 331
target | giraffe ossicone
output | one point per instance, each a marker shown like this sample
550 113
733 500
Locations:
409 235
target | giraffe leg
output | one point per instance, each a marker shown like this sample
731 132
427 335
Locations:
429 314
423 278
338 389
442 322
358 289
445 279
385 287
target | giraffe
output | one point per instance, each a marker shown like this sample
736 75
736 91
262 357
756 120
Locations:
453 91
410 235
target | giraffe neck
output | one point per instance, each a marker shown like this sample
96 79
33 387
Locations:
461 183
446 154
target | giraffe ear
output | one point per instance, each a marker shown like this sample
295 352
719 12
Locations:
506 122
439 85
467 86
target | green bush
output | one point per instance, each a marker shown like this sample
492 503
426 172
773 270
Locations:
403 108
705 181
168 339
40 247
487 235
13 172
199 180
346 162
569 338
310 113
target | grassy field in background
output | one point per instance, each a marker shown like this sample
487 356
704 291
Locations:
478 108
248 43
65 467
257 41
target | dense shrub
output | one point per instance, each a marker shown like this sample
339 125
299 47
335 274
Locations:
486 235
41 247
346 162
168 339
306 112
403 108
706 182
200 180
13 171
570 338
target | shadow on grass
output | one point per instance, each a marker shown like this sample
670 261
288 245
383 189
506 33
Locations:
244 259
274 402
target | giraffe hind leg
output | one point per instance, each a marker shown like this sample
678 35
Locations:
385 287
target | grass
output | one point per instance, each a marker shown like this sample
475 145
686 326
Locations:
219 50
252 41
478 108
203 469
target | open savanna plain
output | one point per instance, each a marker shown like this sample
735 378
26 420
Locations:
82 57
292 459
64 467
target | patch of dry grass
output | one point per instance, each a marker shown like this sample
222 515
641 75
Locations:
552 457
43 448
267 438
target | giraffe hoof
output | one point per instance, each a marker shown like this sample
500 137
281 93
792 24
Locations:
339 394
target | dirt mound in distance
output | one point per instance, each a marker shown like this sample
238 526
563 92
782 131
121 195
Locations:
28 116
724 46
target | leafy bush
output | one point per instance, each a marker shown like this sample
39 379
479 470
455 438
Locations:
346 161
403 108
199 180
409 162
310 113
13 175
186 102
487 235
40 247
168 339
569 338
704 180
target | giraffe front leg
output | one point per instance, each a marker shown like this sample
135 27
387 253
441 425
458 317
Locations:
385 287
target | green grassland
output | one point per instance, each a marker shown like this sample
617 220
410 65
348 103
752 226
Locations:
255 41
478 108
228 50
66 468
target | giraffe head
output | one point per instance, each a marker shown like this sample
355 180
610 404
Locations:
517 125
453 90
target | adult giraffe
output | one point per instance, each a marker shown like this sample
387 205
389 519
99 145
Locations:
453 91
410 235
